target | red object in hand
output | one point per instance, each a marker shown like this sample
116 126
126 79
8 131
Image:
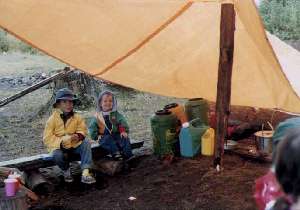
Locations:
121 129
267 189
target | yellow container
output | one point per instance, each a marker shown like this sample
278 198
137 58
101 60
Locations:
208 142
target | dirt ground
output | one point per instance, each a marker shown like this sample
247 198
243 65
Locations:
186 184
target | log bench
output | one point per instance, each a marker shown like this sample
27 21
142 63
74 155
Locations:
36 173
46 160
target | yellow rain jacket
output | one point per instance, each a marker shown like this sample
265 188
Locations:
56 131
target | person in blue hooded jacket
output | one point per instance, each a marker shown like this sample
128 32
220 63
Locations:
283 129
110 127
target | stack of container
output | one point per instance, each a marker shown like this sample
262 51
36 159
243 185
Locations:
189 124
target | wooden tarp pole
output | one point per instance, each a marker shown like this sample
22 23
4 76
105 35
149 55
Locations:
227 28
33 87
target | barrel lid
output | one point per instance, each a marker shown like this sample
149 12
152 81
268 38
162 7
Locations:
170 106
196 99
163 112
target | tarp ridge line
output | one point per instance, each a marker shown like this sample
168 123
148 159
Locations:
147 39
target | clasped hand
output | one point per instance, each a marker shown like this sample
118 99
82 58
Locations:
68 140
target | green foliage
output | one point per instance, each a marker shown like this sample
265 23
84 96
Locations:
282 18
10 43
4 45
25 48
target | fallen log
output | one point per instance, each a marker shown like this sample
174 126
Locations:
257 116
33 87
37 183
29 193
29 163
108 167
52 174
46 160
260 116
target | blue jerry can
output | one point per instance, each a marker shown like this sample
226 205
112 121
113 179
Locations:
190 138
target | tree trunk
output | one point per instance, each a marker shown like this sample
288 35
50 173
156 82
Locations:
83 85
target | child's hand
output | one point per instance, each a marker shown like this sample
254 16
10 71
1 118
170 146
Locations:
75 138
66 142
124 135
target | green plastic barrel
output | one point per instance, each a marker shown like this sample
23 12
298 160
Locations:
163 126
197 108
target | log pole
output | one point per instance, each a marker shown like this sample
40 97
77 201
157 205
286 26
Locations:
227 27
33 87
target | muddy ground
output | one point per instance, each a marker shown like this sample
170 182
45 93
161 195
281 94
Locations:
186 184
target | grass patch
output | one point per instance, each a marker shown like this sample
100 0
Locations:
9 43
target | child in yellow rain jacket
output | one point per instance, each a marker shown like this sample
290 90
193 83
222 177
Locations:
65 134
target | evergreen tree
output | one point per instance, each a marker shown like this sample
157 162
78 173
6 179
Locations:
282 18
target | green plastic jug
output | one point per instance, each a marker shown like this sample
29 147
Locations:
197 108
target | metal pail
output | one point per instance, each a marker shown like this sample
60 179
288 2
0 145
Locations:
263 140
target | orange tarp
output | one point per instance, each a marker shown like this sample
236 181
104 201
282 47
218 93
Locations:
168 47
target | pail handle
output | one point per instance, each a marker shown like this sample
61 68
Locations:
270 125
